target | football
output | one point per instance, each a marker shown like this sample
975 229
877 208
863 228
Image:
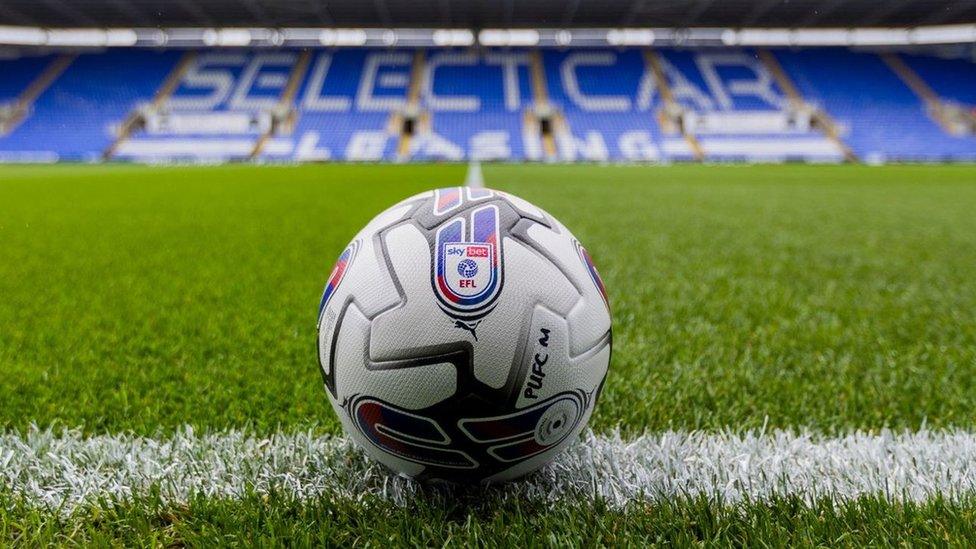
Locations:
464 334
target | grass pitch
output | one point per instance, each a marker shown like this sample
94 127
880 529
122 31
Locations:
832 298
479 521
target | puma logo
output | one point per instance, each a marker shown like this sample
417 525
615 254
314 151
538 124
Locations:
470 327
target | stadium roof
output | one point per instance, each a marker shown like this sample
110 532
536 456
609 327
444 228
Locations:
485 13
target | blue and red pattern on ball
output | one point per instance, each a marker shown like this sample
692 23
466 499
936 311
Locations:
446 200
408 436
477 194
484 230
594 274
338 272
452 232
520 424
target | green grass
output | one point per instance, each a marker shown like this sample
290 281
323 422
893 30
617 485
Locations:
828 297
479 521
834 298
144 298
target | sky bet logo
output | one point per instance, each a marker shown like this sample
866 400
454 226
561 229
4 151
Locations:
471 259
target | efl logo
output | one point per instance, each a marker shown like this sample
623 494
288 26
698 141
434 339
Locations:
467 272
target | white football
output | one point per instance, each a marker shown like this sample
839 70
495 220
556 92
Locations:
464 334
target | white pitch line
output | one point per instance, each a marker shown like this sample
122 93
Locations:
63 470
474 178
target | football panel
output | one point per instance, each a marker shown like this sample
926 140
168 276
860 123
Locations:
395 463
530 280
590 319
526 208
538 461
418 386
548 368
360 275
419 323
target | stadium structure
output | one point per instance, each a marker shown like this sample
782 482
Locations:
632 81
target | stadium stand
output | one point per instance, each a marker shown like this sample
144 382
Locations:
946 87
80 101
883 118
16 95
607 102
345 106
951 79
664 104
24 79
732 105
472 105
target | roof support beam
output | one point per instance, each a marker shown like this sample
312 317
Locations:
758 11
384 12
70 12
445 9
635 8
476 15
942 13
14 16
570 13
320 9
824 10
128 9
258 12
886 10
696 11
195 11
